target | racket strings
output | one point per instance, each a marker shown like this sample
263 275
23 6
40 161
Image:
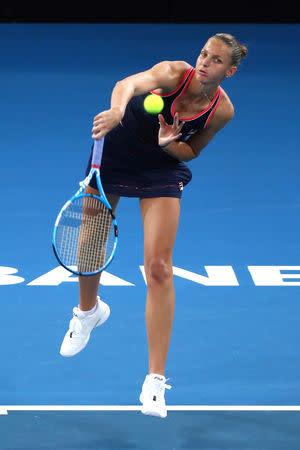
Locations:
95 229
85 235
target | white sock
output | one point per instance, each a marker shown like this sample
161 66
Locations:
90 312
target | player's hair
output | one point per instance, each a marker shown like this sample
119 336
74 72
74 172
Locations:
238 51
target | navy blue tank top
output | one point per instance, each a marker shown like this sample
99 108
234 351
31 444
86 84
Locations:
146 126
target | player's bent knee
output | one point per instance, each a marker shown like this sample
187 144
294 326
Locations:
158 270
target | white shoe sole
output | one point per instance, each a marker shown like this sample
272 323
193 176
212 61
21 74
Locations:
151 410
78 350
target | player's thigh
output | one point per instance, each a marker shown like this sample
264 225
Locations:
160 220
112 199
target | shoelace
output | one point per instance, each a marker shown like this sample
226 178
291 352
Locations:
159 387
75 323
167 386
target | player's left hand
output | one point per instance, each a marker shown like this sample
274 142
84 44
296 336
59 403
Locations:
169 133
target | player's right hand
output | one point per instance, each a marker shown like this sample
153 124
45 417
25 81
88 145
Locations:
106 121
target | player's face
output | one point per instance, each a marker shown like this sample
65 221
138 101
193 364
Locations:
214 62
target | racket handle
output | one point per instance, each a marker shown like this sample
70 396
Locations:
97 152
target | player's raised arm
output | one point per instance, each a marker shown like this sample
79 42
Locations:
165 75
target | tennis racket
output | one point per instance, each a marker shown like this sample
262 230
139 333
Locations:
85 234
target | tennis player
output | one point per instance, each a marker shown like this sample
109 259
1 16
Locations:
144 156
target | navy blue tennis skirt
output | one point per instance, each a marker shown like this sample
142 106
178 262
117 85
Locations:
131 167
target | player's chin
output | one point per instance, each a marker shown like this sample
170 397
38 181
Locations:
206 79
203 79
201 75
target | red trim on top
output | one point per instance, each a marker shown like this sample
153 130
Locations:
95 167
178 87
202 112
211 114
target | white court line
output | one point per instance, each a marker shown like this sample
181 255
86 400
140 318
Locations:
5 408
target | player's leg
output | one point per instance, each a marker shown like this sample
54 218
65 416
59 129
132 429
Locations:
92 311
88 285
160 219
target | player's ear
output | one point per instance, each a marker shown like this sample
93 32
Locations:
231 72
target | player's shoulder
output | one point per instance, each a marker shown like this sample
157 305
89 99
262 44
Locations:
180 65
176 64
223 113
226 108
170 74
175 67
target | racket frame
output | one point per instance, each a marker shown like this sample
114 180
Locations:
95 170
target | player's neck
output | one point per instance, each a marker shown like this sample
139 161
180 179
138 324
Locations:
202 90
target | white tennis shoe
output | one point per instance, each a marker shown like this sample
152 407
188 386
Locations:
153 396
80 328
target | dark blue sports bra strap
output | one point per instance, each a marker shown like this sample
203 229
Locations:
186 81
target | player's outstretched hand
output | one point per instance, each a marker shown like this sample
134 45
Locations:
169 133
106 121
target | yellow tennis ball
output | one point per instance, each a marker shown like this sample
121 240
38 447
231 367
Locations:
153 104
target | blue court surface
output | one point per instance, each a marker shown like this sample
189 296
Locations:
234 358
